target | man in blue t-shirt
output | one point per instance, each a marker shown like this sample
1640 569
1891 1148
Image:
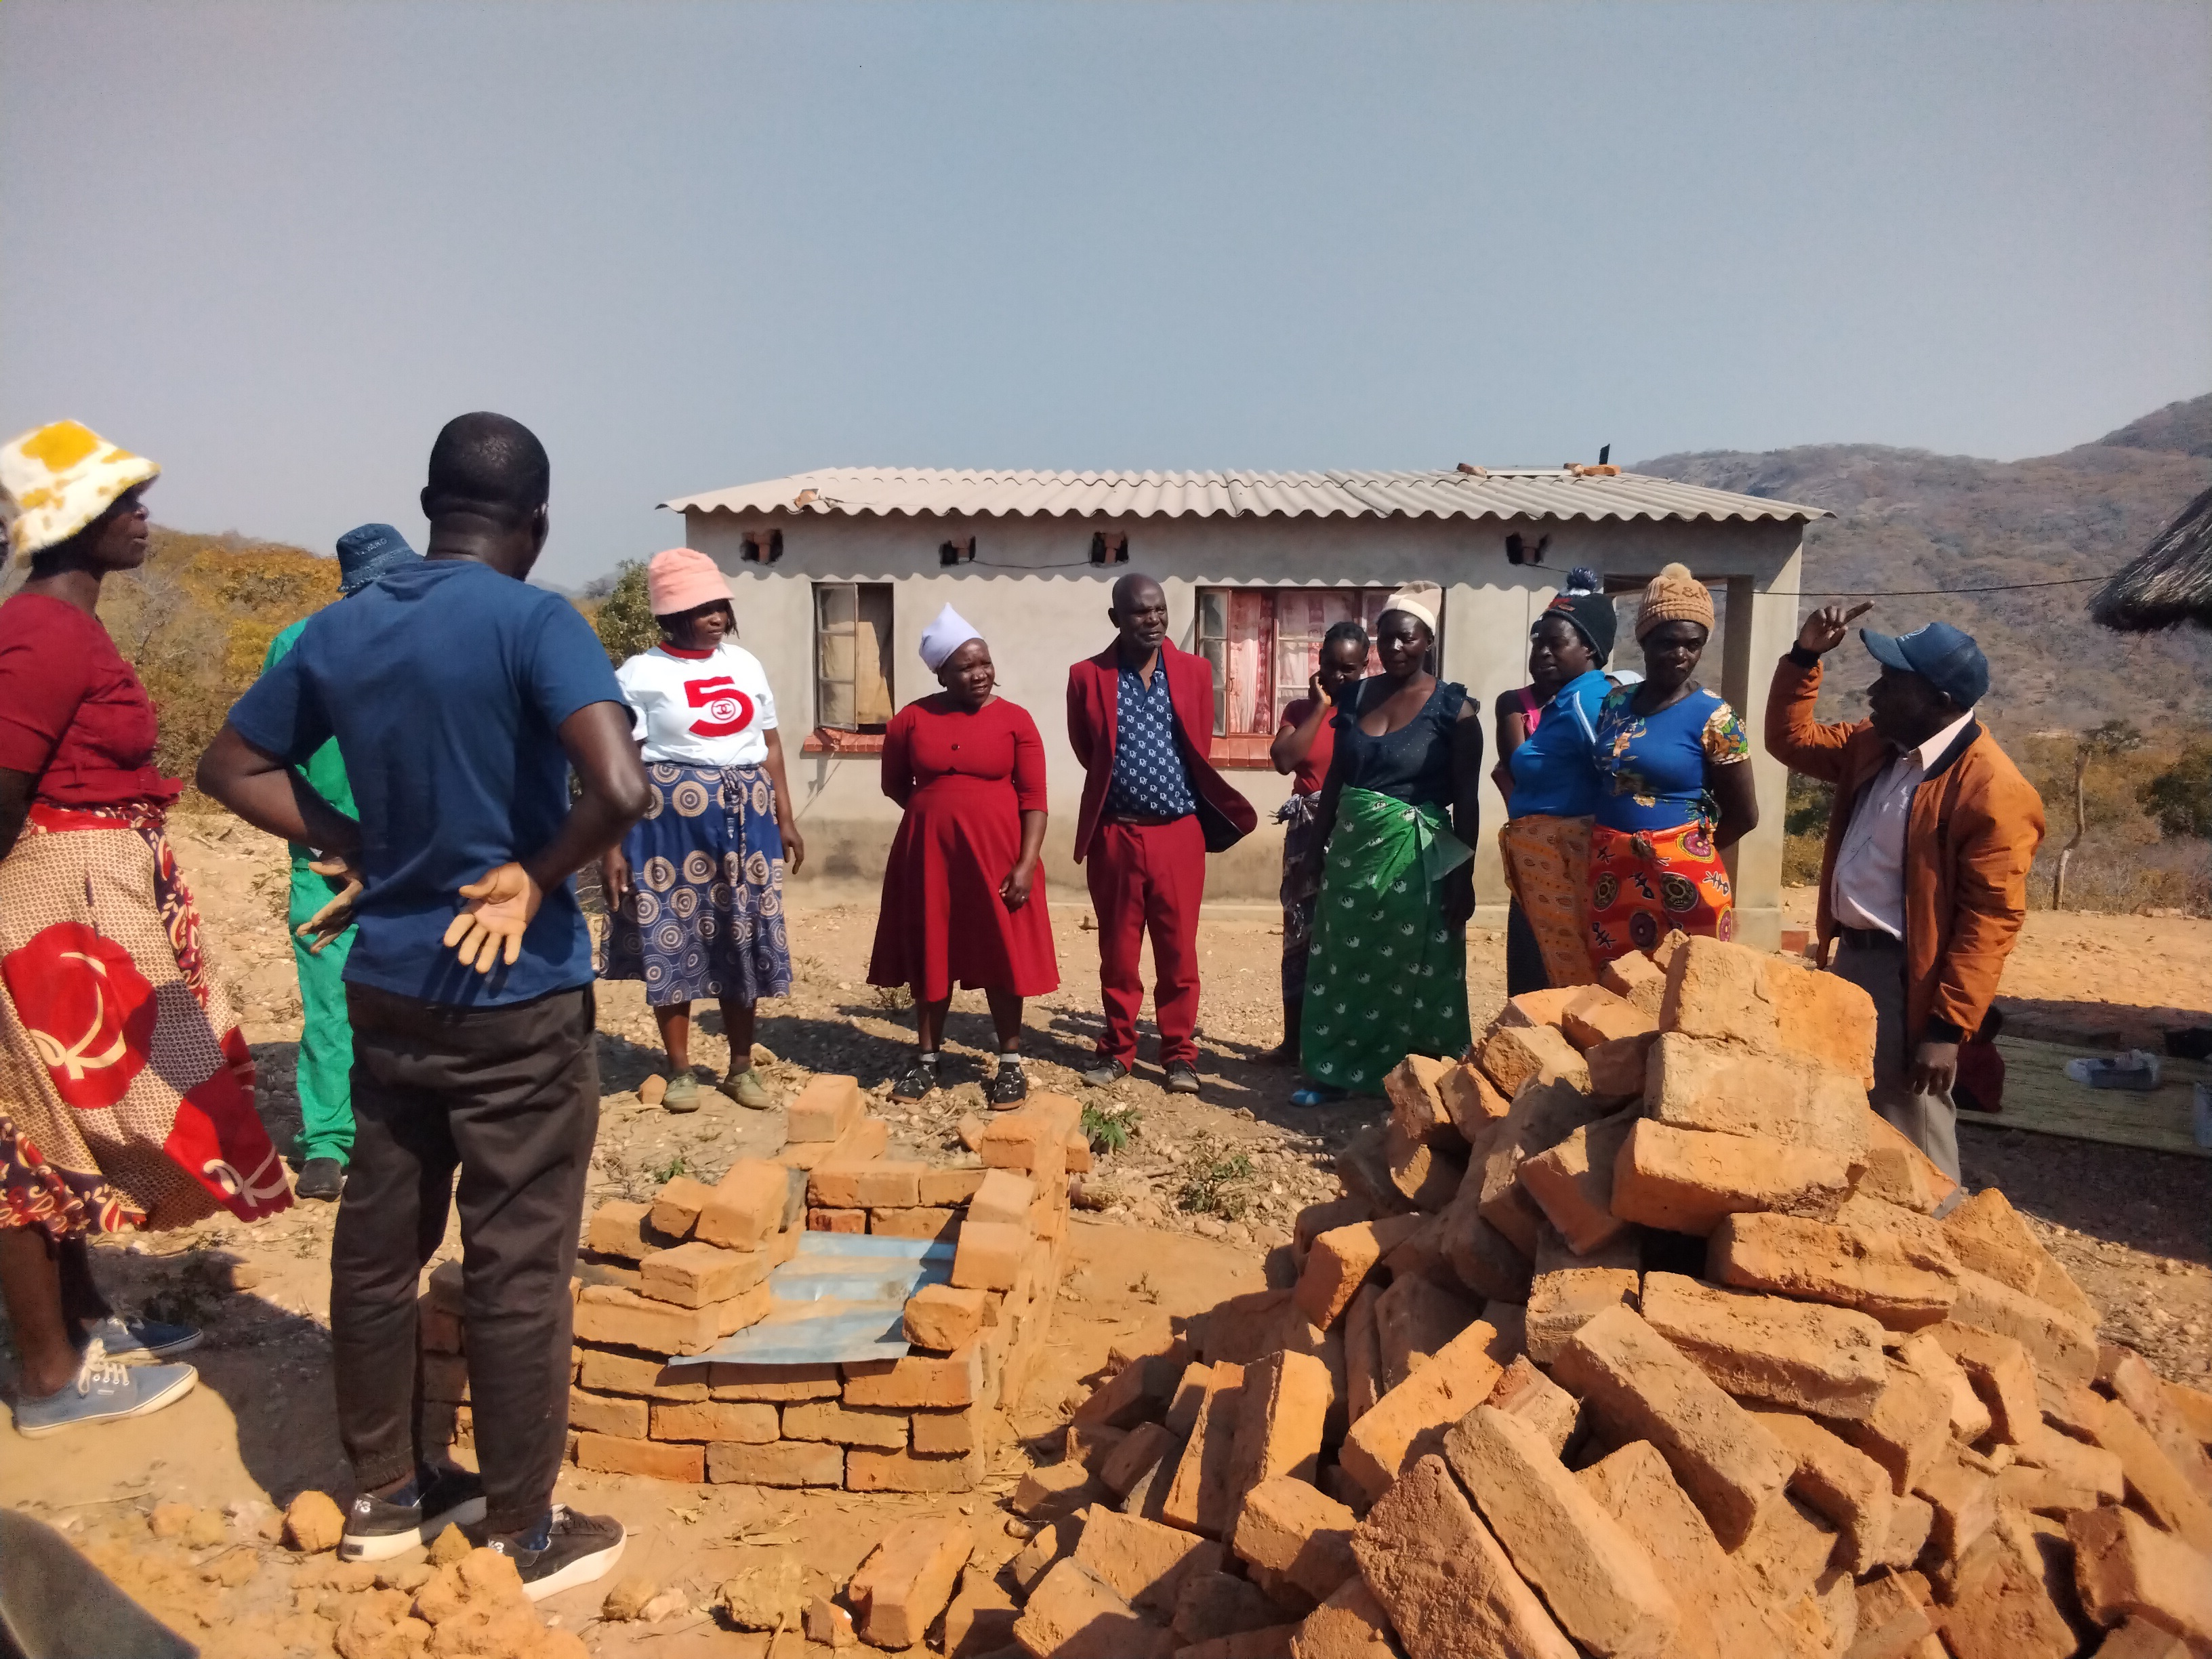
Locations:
459 699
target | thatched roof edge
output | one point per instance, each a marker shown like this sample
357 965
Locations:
2169 582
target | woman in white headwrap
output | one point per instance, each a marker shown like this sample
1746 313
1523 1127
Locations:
1388 974
962 902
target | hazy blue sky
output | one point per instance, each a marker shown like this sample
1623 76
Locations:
276 246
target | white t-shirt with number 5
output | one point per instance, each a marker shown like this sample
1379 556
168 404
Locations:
699 707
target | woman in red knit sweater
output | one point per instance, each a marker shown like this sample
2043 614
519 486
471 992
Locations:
968 767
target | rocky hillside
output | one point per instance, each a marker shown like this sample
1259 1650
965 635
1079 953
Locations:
1909 520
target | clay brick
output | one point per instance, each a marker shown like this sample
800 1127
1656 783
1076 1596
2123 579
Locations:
1425 1175
747 1205
1363 1354
1617 1067
1598 1582
1802 1355
1481 1258
881 1427
1906 1430
1417 1105
1571 1183
1139 1452
1514 1054
1970 1418
1910 1519
1315 1220
620 1228
1526 1393
445 1377
2000 1605
623 1373
1279 1417
1413 1318
1051 1543
2061 1350
2195 1408
1897 1172
1090 1444
946 1434
1922 1232
867 1469
1567 1292
1340 1261
655 1460
1787 1550
1597 1016
1685 1180
1210 1605
943 1316
1420 1255
1199 1498
2125 1567
1732 993
2043 1492
784 1463
1877 1274
1637 979
1444 1580
1693 1083
1721 1615
981 1620
1073 1613
676 1207
1287 1526
1142 1561
822 1220
610 1414
1410 1420
937 1225
825 1110
1133 1393
2138 1639
949 1189
1475 1106
2154 1485
907 1579
917 1382
777 1383
1637 1385
606 1313
695 1274
1349 1625
1987 1235
1839 1483
1241 1328
1004 1196
750 1422
860 1183
1532 1008
989 1256
1892 1622
2001 1376
1032 1137
1965 1502
1197 1381
437 1331
2135 1386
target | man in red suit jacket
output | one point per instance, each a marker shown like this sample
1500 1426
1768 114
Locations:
1140 719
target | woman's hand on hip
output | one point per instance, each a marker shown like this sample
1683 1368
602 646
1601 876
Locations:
615 879
1014 890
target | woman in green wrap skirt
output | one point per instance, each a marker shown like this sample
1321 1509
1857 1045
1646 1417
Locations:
1388 974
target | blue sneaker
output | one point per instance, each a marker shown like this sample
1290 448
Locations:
128 1337
105 1391
1319 1094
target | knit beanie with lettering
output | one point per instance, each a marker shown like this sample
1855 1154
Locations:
1674 595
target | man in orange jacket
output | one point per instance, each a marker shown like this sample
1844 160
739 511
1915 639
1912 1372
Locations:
1924 883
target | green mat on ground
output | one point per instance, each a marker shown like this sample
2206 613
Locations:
2042 1099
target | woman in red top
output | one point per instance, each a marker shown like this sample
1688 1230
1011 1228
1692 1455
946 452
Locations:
126 1089
962 901
1303 745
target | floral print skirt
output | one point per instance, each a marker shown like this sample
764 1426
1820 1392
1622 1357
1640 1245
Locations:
1644 883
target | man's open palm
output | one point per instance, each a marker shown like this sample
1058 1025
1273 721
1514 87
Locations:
500 907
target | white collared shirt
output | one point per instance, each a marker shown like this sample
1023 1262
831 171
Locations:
1868 887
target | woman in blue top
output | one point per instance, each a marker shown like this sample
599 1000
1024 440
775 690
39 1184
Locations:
1553 790
1676 788
1386 976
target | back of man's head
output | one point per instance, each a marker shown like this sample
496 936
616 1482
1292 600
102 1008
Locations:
488 466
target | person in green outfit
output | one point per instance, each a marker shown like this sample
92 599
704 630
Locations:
325 1061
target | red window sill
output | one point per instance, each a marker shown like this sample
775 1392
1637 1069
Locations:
822 740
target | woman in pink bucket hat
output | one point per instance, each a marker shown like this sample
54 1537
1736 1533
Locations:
697 887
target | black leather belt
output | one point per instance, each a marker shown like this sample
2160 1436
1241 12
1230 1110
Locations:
1869 938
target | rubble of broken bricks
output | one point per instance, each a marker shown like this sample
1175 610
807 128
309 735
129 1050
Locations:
1634 1336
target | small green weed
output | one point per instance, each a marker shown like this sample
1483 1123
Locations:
1215 1181
1109 1129
663 1175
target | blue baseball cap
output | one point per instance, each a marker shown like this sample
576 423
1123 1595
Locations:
368 551
1946 658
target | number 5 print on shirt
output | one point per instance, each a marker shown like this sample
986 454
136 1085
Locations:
729 710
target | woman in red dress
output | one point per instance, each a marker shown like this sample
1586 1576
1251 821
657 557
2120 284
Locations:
969 768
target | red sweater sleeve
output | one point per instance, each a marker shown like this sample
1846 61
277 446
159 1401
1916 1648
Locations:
42 683
1029 761
898 757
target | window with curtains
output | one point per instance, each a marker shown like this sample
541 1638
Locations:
852 666
1265 644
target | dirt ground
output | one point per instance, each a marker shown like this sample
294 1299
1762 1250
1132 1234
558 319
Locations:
1191 1203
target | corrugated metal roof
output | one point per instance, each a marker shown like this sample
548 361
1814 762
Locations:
1511 493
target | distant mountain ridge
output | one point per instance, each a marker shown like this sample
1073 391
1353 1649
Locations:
1909 520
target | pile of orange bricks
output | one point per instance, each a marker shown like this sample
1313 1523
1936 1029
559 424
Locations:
1636 1335
678 1275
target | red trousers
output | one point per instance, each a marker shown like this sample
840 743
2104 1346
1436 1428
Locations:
1148 877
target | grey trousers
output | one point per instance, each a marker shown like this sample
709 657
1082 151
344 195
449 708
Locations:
1929 1120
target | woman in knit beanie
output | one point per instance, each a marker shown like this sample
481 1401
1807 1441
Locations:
1674 786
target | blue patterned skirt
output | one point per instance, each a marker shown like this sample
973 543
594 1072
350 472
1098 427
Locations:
705 914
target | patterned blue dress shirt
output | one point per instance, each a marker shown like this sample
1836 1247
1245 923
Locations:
1148 781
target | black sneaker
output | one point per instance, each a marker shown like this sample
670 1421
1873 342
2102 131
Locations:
378 1529
1182 1078
321 1178
1104 1069
1010 1086
568 1549
918 1083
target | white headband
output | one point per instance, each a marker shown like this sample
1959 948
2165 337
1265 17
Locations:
1417 599
944 636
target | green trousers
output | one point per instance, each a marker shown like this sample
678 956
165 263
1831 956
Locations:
326 1063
